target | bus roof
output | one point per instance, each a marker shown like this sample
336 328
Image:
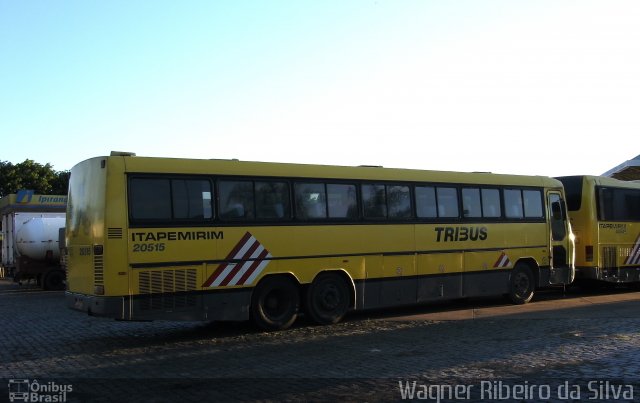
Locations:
606 181
137 164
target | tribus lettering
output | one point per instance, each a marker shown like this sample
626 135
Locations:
175 236
461 234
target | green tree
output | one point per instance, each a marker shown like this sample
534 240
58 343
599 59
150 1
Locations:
60 185
42 179
8 179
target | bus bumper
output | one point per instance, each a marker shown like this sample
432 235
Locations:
93 305
610 275
232 305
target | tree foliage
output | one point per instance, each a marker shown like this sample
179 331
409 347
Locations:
42 179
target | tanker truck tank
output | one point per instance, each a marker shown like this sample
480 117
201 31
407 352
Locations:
30 233
37 239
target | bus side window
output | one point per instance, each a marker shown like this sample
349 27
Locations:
272 200
399 201
342 201
447 202
191 199
236 199
491 203
150 198
513 203
426 202
471 203
532 203
311 200
617 204
374 201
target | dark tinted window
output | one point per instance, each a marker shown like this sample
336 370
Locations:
399 201
513 203
311 201
191 199
532 203
558 219
432 202
374 201
617 204
491 203
150 199
272 200
471 206
236 200
478 203
447 202
426 206
342 201
573 191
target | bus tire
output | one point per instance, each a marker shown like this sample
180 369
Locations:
521 284
54 280
327 299
274 303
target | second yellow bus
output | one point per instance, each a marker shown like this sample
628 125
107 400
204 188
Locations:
605 217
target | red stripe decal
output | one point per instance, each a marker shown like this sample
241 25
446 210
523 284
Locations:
253 267
230 256
239 265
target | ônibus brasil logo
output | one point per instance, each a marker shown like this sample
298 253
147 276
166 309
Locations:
25 390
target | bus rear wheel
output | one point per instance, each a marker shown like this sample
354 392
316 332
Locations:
327 299
275 303
521 284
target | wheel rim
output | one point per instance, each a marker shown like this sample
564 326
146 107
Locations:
329 298
275 304
521 284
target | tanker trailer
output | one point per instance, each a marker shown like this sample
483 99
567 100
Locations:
37 252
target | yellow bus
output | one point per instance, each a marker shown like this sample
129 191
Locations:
160 238
605 216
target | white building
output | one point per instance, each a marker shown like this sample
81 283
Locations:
627 171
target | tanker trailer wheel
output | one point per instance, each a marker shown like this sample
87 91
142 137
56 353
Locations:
54 280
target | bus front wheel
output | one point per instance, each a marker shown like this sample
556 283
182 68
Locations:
521 284
327 299
275 303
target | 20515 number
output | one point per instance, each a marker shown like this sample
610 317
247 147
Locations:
148 247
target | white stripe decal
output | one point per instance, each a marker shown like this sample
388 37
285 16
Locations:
246 265
502 262
222 275
245 248
253 259
634 256
240 255
258 270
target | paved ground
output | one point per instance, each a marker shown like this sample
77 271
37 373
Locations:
485 350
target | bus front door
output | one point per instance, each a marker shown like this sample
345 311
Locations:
560 245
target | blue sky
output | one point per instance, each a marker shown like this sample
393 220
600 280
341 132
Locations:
527 87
